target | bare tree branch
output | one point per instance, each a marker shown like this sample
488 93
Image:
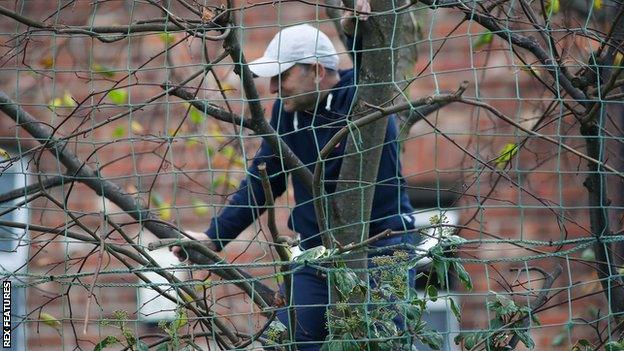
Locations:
75 168
196 27
47 183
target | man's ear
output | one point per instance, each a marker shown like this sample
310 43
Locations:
320 73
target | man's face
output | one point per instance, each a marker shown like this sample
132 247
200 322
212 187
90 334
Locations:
296 87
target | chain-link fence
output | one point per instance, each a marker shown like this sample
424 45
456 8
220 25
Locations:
494 221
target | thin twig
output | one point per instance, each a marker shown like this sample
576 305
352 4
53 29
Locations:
500 115
261 294
280 247
98 267
542 298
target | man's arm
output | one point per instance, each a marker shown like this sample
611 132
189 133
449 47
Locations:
245 206
247 203
349 24
360 12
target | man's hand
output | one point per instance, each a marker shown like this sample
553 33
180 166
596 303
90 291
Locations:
202 237
361 11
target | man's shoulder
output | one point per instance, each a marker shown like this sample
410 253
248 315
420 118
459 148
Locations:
345 89
278 114
346 77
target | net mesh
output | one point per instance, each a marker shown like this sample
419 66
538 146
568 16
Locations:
510 147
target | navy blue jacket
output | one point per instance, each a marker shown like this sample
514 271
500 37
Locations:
306 133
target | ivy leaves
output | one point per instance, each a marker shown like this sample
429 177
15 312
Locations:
442 265
507 323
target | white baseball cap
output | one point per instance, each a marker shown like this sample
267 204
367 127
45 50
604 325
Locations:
297 44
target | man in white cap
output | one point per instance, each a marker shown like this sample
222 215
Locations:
302 64
314 100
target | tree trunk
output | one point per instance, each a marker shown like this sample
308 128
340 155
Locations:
350 213
596 181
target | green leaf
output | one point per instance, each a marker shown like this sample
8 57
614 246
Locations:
597 4
339 345
141 346
206 284
4 154
346 343
200 207
106 342
68 100
65 101
463 275
593 312
128 335
210 151
525 338
136 127
119 132
614 346
438 219
455 309
214 131
312 254
458 338
619 59
432 292
166 38
120 315
163 207
180 321
191 142
50 320
588 254
441 268
552 7
483 39
228 152
502 305
238 162
413 312
432 339
276 331
346 280
277 326
496 323
505 155
164 211
103 70
118 96
196 115
535 319
583 345
531 69
454 240
156 198
471 339
47 62
559 339
223 180
54 103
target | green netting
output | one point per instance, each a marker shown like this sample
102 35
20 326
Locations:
128 125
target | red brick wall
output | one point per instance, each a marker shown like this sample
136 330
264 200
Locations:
188 170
